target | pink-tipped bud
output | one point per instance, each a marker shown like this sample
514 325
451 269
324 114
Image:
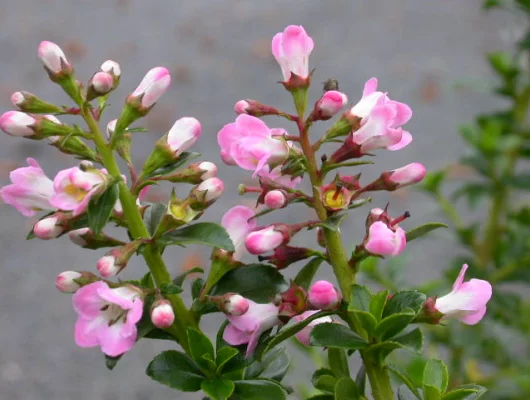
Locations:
235 305
183 134
323 295
111 127
47 228
162 315
112 67
275 199
77 236
153 86
107 266
17 123
212 188
209 168
66 283
53 58
241 107
102 82
329 104
17 98
264 240
407 175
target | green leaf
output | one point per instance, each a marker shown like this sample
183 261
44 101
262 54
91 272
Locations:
431 392
421 230
380 351
110 362
100 208
338 362
404 379
378 303
360 298
206 233
393 324
346 389
336 336
463 394
306 274
170 288
521 181
292 330
322 397
179 280
180 161
257 282
404 393
367 321
176 370
273 365
258 390
432 181
326 383
501 62
218 389
412 340
435 374
201 348
401 301
333 222
153 215
360 380
224 354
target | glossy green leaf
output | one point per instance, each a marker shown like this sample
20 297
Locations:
170 288
393 324
367 321
273 365
180 161
378 303
405 380
326 383
179 280
100 208
218 389
431 392
435 374
421 230
307 273
333 223
337 336
111 362
360 298
346 389
432 181
360 380
205 233
176 370
401 301
258 282
338 362
258 390
461 393
201 348
412 340
153 215
224 355
323 372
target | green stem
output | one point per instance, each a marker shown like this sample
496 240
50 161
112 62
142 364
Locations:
138 230
379 379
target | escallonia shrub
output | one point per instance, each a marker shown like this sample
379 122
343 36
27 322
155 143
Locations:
247 359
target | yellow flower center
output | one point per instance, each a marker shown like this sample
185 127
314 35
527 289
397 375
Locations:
333 199
77 193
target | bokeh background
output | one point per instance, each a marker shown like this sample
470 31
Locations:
428 54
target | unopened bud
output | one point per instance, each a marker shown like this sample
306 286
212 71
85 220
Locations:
53 58
254 108
206 193
87 239
17 123
234 304
48 228
329 104
66 283
286 255
407 175
100 84
275 199
111 126
162 314
112 67
264 240
209 168
153 85
28 102
324 296
116 259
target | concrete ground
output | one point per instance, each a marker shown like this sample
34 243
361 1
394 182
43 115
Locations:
218 52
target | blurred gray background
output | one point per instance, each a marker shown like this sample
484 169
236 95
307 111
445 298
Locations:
219 52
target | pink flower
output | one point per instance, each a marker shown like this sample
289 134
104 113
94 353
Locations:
330 104
107 266
153 86
52 57
304 336
183 134
249 143
74 188
407 175
241 107
107 317
102 82
377 131
30 191
276 176
275 199
247 328
385 240
235 305
324 295
292 48
48 228
65 281
264 240
467 301
162 315
213 187
17 123
238 224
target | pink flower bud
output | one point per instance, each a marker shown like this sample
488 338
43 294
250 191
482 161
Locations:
241 107
330 104
111 127
324 296
384 240
264 240
102 82
47 229
153 86
17 123
162 315
304 335
292 48
52 57
76 236
275 199
213 187
17 98
407 175
107 266
183 134
111 67
65 282
209 168
235 305
467 301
